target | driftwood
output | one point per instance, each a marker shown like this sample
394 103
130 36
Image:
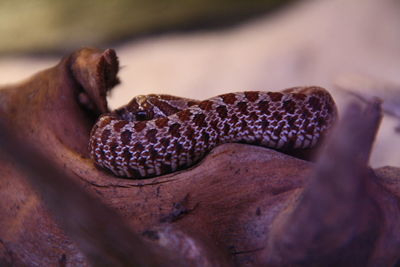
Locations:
242 205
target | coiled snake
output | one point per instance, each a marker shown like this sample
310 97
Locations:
158 134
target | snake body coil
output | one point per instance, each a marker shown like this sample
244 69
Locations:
158 134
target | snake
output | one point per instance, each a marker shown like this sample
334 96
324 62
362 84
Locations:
157 134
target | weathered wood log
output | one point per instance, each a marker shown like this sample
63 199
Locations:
242 204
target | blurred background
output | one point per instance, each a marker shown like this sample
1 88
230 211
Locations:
201 48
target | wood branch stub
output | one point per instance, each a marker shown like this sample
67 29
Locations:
339 217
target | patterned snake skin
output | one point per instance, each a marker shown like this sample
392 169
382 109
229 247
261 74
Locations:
158 134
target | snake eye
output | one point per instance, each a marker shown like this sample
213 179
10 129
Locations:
142 115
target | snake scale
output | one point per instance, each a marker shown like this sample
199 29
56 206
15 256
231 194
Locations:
158 134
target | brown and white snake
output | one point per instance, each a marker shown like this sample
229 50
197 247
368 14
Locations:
158 134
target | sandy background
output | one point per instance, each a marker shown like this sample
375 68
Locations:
334 44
